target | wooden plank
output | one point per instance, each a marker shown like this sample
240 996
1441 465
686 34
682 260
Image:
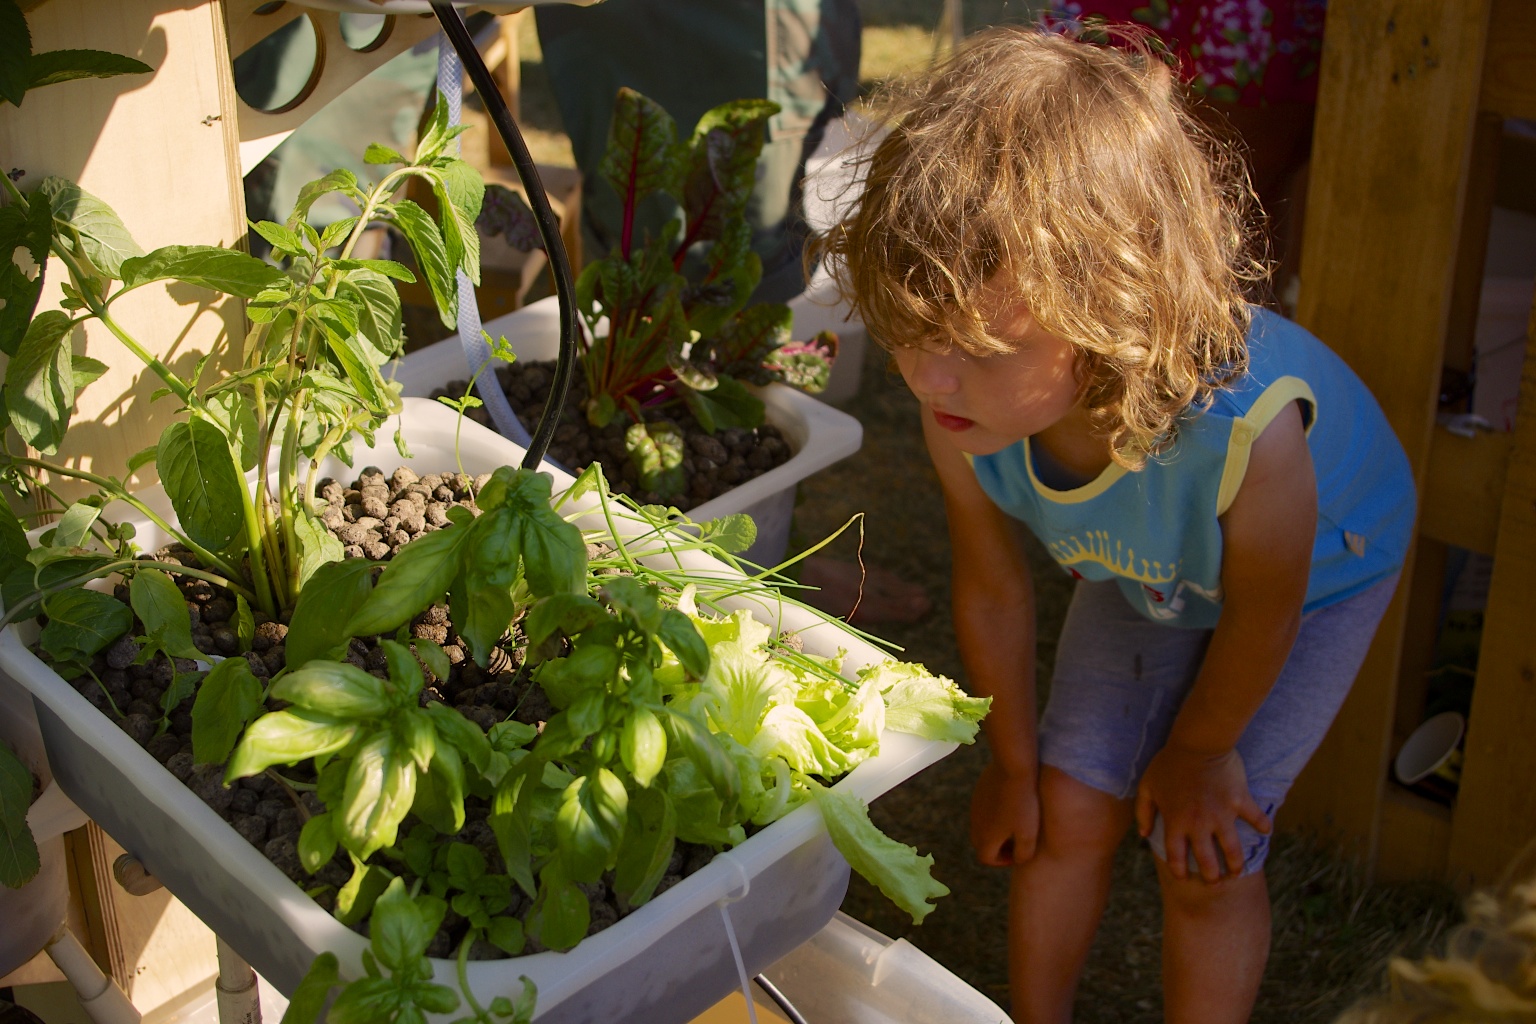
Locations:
341 67
1396 110
1463 485
1415 837
161 150
1509 81
1496 807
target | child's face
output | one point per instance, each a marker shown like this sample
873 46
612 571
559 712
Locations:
987 403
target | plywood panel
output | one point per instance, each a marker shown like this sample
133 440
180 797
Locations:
1509 84
1496 808
161 150
1396 110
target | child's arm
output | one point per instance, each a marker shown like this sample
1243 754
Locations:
994 613
1197 781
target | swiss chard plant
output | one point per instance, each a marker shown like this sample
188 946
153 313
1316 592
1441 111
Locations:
667 314
240 460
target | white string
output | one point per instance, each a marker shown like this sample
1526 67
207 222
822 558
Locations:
730 931
741 967
450 85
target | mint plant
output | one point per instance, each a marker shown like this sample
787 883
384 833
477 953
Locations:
667 319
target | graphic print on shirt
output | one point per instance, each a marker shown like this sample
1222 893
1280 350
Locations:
1161 587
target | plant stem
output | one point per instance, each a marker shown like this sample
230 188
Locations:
116 490
463 971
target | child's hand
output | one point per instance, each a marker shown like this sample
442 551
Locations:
1200 797
1005 816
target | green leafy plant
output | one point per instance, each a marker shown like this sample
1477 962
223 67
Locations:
308 383
19 861
21 70
667 316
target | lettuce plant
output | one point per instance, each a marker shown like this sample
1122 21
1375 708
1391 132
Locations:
667 318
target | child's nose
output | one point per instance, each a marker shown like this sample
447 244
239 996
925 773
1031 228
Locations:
933 373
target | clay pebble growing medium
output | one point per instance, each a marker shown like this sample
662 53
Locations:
712 464
373 517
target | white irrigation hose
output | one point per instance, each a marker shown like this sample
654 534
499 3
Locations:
99 995
450 85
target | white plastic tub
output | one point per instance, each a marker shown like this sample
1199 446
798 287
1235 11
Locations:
665 963
852 974
818 434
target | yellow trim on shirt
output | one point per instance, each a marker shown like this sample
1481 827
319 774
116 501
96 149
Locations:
1275 398
1088 491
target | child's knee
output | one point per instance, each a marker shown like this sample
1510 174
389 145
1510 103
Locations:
1077 820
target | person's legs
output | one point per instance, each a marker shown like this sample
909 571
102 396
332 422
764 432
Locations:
1058 896
1215 945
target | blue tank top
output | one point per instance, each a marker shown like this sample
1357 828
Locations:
1156 531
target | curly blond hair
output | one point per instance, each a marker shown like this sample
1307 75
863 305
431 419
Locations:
1076 170
1488 972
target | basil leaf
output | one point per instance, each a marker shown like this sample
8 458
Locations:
554 554
415 579
337 690
355 899
590 823
331 595
229 697
682 638
204 484
317 842
569 613
40 383
511 819
381 785
699 745
460 732
482 610
643 745
440 792
646 849
287 737
561 913
158 603
314 989
82 622
206 266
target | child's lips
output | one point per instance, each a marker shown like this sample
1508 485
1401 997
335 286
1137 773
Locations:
949 422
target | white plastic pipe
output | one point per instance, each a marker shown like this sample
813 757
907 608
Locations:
238 995
99 995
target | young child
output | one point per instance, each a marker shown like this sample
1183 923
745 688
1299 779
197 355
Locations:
1055 258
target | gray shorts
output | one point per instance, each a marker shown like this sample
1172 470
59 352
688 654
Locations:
1120 680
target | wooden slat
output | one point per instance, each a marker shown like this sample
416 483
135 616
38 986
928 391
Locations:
1396 109
1415 837
341 68
1509 81
1496 807
1463 485
161 150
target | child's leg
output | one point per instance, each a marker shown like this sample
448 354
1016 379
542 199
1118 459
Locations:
1058 896
1215 944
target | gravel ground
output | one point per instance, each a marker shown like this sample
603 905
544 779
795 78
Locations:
1333 932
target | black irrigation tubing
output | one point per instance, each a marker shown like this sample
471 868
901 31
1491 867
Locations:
549 227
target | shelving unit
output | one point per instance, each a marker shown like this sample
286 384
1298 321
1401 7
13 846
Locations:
1413 98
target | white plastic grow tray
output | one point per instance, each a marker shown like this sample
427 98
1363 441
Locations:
818 434
665 963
